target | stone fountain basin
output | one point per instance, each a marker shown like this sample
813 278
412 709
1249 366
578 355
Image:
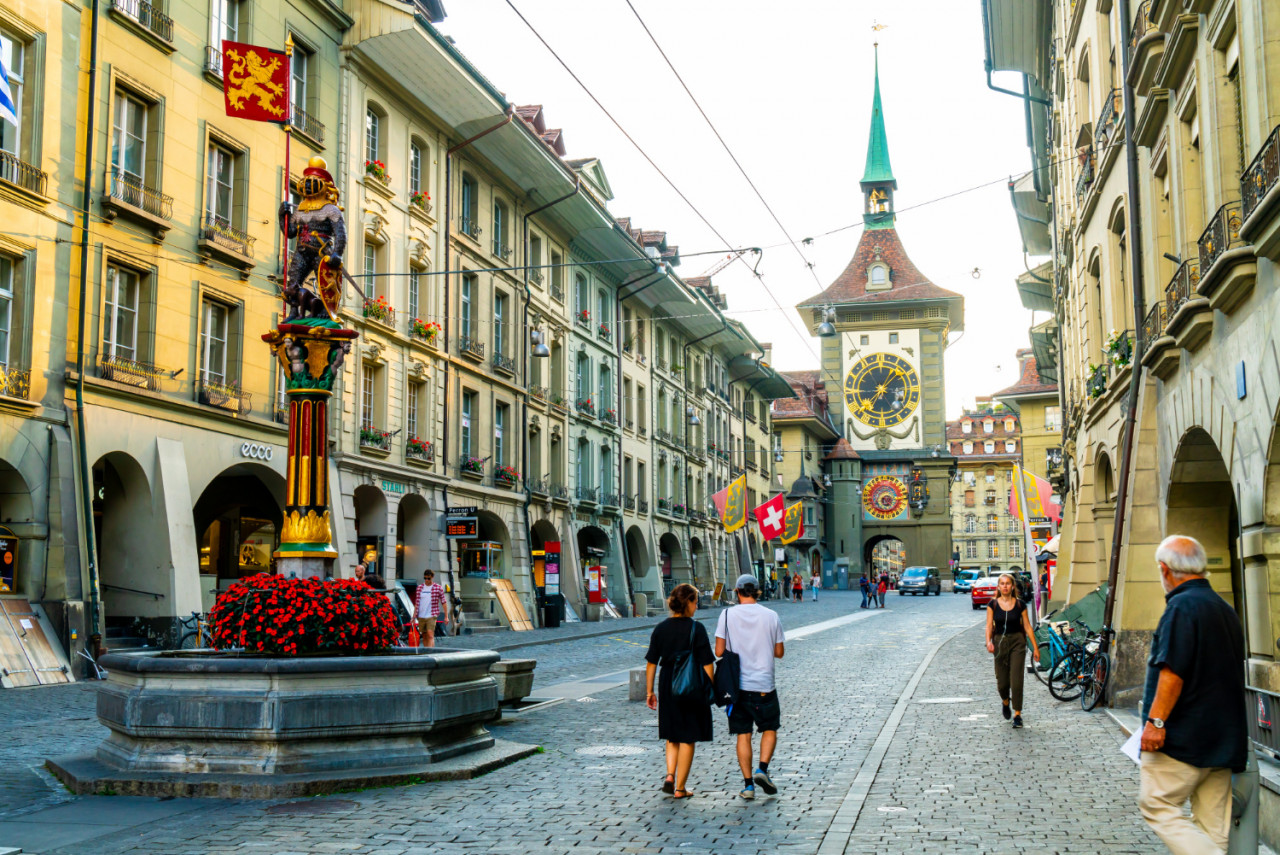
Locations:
208 723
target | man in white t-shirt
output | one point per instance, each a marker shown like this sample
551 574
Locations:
755 634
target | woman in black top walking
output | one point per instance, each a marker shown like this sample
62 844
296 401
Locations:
681 723
1008 628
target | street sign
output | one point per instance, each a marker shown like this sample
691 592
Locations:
461 511
461 528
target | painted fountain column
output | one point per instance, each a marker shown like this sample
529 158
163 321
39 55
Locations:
311 344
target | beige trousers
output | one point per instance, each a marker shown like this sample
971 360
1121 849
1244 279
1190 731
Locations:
1167 784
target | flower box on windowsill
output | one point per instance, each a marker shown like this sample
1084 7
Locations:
472 468
585 407
505 477
420 204
379 310
582 318
419 451
427 332
375 439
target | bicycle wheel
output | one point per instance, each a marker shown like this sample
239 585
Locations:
1095 681
1040 669
190 641
1064 679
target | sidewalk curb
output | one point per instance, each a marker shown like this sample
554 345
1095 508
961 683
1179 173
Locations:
597 634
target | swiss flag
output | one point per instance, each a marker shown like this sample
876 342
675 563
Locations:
770 517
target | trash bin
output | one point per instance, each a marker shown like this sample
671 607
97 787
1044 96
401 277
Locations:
552 611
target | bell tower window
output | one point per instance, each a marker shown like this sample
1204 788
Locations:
878 277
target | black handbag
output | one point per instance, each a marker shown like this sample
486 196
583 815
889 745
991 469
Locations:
688 681
728 673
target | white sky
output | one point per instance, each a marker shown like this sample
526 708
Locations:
789 87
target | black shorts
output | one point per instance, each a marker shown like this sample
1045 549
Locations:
755 708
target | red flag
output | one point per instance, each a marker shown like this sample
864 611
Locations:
770 517
1038 496
255 82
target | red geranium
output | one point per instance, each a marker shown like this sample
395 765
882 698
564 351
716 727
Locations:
339 616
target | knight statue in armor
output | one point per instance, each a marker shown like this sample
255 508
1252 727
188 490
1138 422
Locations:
318 225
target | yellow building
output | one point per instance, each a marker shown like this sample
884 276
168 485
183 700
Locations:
987 442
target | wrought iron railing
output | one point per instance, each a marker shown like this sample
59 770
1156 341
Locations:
612 500
660 363
1182 287
213 60
22 174
308 124
662 435
504 363
130 190
373 437
147 15
587 494
557 290
420 450
281 414
469 227
610 416
471 467
539 486
218 231
15 382
536 276
1154 323
664 505
1222 234
121 369
1142 24
471 346
642 505
559 491
379 310
1086 175
539 392
1096 385
501 250
223 395
1261 175
1108 121
629 503
631 424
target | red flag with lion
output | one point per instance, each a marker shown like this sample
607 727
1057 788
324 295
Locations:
255 82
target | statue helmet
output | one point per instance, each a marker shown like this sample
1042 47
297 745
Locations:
316 178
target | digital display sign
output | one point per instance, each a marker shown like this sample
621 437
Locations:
461 528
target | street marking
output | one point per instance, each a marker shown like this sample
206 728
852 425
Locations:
840 829
944 700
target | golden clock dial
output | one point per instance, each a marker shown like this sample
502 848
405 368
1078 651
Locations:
882 390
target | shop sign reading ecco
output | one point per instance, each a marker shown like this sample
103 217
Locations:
256 451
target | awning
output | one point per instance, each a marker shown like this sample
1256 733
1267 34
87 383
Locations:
1044 344
1036 288
1033 215
1018 36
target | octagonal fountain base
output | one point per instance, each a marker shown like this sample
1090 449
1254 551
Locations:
207 724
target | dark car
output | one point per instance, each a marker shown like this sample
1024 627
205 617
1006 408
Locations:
920 580
964 582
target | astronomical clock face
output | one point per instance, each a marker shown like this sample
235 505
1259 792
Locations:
884 497
882 390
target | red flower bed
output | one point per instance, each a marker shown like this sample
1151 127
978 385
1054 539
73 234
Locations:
290 617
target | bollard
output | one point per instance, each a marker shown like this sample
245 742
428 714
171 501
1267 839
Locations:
636 687
1244 809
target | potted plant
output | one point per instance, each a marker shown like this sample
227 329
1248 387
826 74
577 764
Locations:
584 316
586 405
505 475
377 169
472 466
1118 349
421 200
603 330
425 330
418 447
378 309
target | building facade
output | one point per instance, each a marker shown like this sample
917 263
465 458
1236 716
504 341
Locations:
1183 272
986 442
802 435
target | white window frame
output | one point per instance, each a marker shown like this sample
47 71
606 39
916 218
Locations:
412 399
14 51
121 135
213 182
370 270
415 293
224 22
115 311
415 168
499 323
6 308
372 133
213 349
464 298
298 79
368 376
464 437
499 429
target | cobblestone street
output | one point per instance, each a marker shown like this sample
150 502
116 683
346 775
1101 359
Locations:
892 741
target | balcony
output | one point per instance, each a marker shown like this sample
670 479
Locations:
503 364
628 503
1190 318
582 318
660 364
419 451
213 63
146 21
642 505
540 393
1085 180
126 194
1146 50
540 487
612 500
535 276
470 228
1228 267
131 372
471 347
559 492
224 396
219 237
590 495
559 402
375 438
1096 385
557 291
308 125
501 250
379 310
15 382
22 175
1260 199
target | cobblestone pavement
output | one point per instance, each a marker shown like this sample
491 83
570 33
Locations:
964 783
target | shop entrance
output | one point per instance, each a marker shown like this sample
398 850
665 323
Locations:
413 538
238 517
131 551
371 528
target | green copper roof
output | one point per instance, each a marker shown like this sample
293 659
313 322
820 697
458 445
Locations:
878 168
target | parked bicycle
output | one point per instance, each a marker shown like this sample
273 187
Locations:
1063 638
195 632
1084 673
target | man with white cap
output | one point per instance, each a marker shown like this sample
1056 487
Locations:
755 634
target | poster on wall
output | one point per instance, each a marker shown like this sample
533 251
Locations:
551 566
8 561
884 493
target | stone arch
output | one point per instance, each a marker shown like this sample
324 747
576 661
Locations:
1104 478
675 569
237 521
370 505
132 543
638 553
1202 503
700 559
869 549
413 537
16 504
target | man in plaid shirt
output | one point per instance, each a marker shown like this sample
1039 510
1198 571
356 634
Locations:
430 607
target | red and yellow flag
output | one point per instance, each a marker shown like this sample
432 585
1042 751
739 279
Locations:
1038 495
255 82
793 525
731 504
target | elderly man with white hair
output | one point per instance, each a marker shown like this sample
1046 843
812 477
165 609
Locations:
1195 731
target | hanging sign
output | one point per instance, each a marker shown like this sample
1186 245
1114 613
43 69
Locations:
8 561
461 528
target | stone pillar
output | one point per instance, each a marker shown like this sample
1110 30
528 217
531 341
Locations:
311 352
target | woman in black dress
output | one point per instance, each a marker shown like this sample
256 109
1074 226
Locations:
680 723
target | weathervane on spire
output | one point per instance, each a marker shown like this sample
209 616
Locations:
876 27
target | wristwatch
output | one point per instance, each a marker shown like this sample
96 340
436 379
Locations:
1158 722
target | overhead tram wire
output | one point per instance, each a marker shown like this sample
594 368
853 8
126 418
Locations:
759 276
808 264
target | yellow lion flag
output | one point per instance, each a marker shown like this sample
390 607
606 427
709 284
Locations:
793 523
731 503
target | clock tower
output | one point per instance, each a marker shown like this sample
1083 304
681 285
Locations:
884 328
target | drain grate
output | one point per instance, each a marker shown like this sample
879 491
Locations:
610 750
314 807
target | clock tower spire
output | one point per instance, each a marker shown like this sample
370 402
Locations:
878 182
